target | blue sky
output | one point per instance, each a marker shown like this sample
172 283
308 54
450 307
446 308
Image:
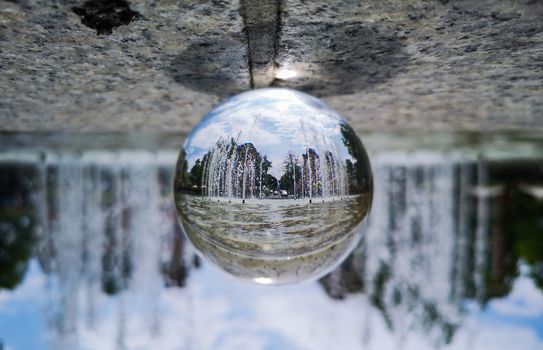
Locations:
22 319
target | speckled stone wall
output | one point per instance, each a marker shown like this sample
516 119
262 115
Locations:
161 65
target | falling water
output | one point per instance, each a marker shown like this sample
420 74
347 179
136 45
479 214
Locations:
481 231
420 251
412 246
232 170
245 170
106 220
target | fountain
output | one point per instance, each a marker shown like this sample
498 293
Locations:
272 187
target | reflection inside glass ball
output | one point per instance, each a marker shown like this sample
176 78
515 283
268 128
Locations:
272 186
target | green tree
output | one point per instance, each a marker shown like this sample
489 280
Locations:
195 174
292 174
17 223
361 180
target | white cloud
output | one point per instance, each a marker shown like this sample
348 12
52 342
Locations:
496 337
525 300
276 124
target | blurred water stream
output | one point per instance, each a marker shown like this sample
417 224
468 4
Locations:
91 255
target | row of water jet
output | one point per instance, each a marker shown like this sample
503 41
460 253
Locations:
231 170
327 174
107 227
423 255
425 248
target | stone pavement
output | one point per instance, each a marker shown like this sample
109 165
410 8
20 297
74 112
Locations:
113 65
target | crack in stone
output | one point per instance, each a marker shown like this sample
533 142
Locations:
277 39
262 20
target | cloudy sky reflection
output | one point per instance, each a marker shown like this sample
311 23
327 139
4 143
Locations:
275 121
216 312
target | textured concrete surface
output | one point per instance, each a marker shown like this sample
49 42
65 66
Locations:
468 65
162 71
160 65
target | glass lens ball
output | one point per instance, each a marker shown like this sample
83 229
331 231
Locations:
272 186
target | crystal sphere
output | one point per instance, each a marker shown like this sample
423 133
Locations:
272 186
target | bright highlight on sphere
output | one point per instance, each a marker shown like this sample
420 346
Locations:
272 187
